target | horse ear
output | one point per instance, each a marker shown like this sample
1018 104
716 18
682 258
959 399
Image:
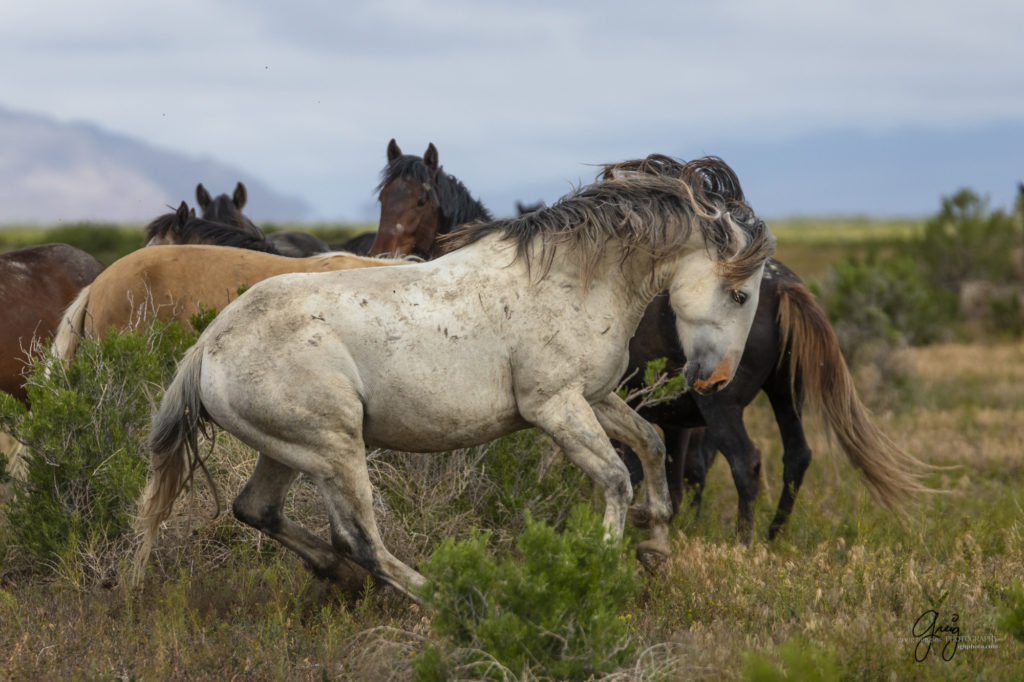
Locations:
183 213
202 196
430 156
240 196
393 150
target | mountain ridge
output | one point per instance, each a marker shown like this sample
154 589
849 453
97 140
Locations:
52 171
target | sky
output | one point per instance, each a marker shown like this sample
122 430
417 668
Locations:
520 98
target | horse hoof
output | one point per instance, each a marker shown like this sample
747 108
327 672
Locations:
651 555
639 516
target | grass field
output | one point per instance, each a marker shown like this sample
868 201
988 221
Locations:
837 596
840 591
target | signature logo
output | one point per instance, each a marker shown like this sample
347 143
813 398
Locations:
930 631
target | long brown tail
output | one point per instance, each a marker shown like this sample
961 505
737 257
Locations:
71 327
174 445
891 474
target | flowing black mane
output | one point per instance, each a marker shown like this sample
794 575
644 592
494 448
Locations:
183 227
648 205
456 204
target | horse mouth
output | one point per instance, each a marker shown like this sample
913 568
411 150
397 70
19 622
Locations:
719 378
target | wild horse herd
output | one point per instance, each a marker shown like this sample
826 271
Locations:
447 328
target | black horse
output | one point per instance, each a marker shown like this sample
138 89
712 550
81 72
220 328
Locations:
182 226
222 209
791 354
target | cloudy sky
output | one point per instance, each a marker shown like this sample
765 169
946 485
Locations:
518 96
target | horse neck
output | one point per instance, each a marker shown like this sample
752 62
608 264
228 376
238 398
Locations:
457 205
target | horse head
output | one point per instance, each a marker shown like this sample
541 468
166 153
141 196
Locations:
227 210
410 210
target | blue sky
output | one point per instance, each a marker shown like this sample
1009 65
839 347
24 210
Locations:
519 97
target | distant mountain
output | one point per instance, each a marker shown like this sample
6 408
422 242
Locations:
52 171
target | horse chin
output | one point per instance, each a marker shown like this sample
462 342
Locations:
718 379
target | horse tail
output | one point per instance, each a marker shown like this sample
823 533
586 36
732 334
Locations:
815 360
71 327
174 448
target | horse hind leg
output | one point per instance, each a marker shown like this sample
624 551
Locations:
796 454
261 505
348 493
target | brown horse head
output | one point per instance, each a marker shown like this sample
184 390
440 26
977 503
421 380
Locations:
419 202
410 213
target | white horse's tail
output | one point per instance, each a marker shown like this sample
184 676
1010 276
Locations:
71 327
174 448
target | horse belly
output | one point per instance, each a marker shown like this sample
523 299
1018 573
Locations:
441 413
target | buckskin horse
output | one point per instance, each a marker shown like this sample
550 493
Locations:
176 283
309 370
36 284
791 354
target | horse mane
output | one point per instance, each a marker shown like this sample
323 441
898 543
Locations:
647 205
201 231
452 198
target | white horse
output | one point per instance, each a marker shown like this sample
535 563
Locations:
526 324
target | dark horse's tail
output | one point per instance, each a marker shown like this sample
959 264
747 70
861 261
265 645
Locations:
174 444
815 361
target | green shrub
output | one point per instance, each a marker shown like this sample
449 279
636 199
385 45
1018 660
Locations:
555 609
1011 620
801 661
886 299
912 294
966 240
85 438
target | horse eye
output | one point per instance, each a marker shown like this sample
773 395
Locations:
422 202
739 296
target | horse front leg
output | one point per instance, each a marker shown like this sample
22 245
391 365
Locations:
622 423
572 424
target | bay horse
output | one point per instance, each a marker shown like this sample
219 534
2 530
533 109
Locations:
536 313
791 354
36 284
419 203
173 283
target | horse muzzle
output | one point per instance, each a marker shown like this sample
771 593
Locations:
703 383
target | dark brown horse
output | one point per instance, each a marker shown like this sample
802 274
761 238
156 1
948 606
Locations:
182 227
221 209
418 203
36 284
791 354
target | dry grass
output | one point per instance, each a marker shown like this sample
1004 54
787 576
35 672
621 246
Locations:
845 581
